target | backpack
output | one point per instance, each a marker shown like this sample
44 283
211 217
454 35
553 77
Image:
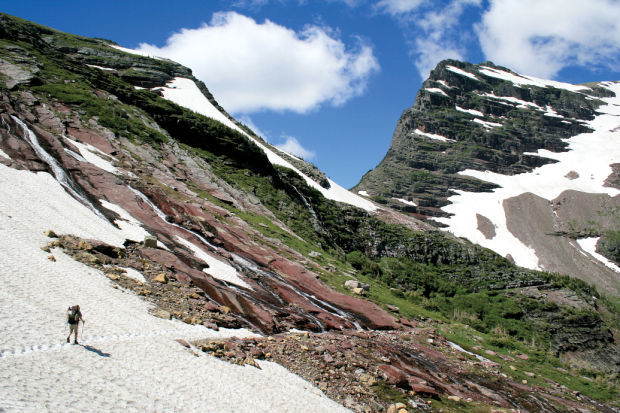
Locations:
73 315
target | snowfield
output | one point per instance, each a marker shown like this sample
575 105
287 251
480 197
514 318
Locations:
127 360
184 92
590 156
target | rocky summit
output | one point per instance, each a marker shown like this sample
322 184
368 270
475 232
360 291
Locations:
370 303
520 165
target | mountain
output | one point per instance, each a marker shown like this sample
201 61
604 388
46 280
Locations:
217 272
523 166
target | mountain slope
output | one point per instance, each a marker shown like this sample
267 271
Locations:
502 159
148 197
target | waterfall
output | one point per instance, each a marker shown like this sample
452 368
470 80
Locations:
58 171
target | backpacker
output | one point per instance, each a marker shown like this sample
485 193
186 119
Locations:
73 315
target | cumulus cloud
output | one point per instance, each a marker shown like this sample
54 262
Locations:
542 37
252 66
292 146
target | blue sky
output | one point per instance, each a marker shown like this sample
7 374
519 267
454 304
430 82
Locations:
328 79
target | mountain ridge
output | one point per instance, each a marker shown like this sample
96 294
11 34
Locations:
234 239
473 127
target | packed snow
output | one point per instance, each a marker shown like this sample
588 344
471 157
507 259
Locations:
127 359
589 154
184 92
521 80
461 72
589 245
433 136
436 90
470 111
363 193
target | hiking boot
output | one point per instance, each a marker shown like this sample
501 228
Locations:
75 342
68 340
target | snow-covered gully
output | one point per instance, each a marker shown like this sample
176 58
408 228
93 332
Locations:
132 358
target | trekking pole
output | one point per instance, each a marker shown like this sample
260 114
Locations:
82 330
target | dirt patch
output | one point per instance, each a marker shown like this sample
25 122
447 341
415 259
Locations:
485 226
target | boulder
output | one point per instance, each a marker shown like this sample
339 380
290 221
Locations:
392 308
161 278
150 241
393 375
351 284
183 342
162 314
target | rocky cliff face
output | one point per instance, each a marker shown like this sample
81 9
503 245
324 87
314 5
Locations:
238 240
482 129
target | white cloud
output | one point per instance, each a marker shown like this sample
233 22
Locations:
398 7
292 146
251 67
542 37
430 29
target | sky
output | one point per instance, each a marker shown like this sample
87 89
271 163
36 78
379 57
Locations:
328 80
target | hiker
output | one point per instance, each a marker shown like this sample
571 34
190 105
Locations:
74 316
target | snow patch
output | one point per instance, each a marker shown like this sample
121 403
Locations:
4 155
444 84
107 69
549 111
363 193
461 72
433 136
135 274
404 201
436 90
217 269
521 80
522 104
486 124
470 111
128 224
136 52
589 245
92 155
